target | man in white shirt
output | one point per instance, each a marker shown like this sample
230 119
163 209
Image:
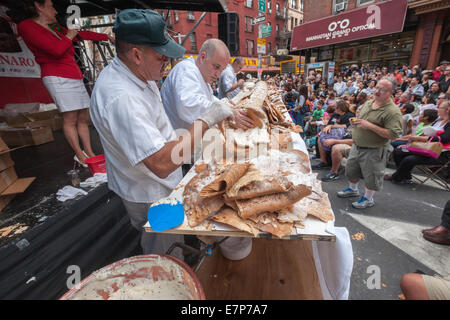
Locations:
135 132
186 92
339 85
229 86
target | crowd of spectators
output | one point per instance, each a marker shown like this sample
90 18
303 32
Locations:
324 109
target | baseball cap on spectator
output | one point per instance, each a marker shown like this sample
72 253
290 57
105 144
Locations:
146 27
443 62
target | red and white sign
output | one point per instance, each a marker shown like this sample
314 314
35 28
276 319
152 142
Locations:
16 60
374 20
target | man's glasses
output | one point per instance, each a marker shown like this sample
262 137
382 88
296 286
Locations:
382 90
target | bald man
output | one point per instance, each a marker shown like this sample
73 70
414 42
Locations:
186 92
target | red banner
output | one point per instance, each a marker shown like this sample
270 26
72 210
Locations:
373 20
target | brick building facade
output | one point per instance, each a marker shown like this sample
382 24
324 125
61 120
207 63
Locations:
181 22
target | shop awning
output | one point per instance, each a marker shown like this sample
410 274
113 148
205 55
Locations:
255 69
366 22
104 7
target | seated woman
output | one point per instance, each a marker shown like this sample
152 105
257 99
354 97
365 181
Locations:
426 119
407 123
406 161
336 130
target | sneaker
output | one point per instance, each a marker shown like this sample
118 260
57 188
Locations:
363 203
320 165
331 176
347 193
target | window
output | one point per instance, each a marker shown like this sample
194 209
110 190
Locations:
301 5
190 15
301 21
364 2
277 30
292 23
269 48
339 5
248 24
193 40
294 4
277 8
269 6
249 3
176 16
250 47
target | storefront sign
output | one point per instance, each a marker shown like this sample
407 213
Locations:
16 60
374 20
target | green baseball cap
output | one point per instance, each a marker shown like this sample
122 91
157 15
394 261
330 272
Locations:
146 27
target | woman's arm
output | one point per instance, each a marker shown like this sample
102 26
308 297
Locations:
43 40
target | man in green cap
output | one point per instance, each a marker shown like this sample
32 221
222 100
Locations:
136 134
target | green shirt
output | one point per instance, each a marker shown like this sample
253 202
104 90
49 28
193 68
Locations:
317 114
419 129
387 116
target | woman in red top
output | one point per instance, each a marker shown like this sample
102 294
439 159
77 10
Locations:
61 75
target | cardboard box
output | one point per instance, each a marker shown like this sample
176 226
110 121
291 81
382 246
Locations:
10 184
6 161
7 178
51 118
26 136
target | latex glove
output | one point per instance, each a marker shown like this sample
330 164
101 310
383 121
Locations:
216 113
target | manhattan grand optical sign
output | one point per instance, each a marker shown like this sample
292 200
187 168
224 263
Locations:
374 20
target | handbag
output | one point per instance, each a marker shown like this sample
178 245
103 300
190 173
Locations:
337 133
426 149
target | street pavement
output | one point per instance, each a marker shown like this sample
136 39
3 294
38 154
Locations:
387 239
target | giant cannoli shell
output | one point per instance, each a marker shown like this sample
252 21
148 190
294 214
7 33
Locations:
197 208
253 184
267 222
230 217
271 203
232 174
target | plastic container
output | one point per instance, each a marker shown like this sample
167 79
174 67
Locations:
236 248
113 279
96 164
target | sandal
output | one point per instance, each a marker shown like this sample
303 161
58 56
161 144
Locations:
84 165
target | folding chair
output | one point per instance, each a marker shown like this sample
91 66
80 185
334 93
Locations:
432 172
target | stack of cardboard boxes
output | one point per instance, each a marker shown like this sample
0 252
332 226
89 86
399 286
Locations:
30 128
10 184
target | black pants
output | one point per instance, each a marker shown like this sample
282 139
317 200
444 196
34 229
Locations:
406 161
446 216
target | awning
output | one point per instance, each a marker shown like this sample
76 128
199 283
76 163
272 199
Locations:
370 21
104 7
263 69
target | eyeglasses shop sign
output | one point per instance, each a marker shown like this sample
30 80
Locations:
370 21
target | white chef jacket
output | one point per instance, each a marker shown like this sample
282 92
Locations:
226 80
185 94
132 124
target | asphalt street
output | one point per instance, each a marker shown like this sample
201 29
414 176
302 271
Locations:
386 238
